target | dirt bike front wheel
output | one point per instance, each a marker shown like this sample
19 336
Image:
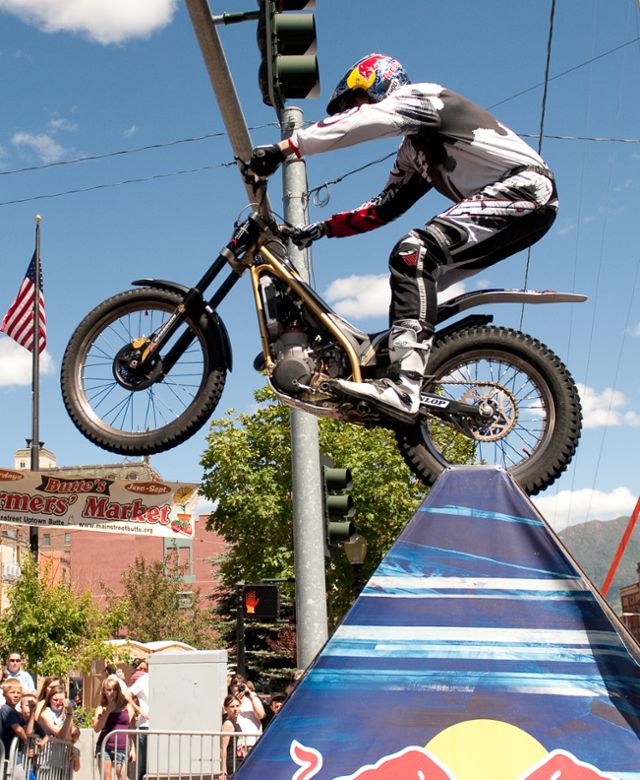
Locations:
135 411
536 419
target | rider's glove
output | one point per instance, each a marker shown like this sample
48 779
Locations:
265 160
304 235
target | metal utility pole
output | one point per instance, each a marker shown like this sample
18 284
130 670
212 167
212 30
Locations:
308 511
311 602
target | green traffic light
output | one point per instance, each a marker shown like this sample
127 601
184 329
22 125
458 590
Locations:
287 43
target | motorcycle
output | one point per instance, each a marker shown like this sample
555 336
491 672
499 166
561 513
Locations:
147 367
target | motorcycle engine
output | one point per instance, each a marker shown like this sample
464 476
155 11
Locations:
294 362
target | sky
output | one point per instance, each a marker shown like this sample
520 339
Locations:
110 131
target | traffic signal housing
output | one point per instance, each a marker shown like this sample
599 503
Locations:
339 506
261 602
287 43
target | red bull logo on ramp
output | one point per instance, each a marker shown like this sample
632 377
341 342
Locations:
416 763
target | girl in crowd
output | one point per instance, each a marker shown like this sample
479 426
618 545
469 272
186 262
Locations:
56 716
232 751
251 707
115 713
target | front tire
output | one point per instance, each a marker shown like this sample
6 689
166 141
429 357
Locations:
538 419
129 413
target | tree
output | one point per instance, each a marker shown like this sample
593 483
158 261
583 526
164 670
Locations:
56 629
157 606
248 476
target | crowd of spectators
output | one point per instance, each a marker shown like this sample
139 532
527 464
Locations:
244 713
30 717
49 713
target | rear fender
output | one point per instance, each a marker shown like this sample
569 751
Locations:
461 303
217 335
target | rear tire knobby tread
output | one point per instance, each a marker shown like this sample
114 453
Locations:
146 442
555 452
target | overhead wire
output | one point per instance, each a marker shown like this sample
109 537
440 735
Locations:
576 253
543 111
319 188
605 222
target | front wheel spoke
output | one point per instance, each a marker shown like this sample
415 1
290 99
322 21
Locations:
119 411
98 393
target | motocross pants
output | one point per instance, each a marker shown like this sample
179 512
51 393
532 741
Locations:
498 221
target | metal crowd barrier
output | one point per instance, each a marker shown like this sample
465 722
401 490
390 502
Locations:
173 755
147 755
44 759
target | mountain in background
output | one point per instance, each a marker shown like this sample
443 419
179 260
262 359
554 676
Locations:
593 545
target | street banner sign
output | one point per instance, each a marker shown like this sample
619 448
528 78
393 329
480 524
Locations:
48 500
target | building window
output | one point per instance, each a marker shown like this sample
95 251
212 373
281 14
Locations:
67 539
46 540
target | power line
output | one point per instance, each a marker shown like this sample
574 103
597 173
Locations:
314 190
121 152
543 111
565 72
208 136
115 184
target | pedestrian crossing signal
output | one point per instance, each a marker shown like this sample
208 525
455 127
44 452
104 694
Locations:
261 602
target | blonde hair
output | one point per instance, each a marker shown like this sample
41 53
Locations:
11 684
121 699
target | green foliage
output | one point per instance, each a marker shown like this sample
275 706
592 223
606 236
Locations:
55 628
153 607
83 717
248 476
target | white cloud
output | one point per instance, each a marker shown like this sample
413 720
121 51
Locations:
60 123
130 131
571 507
104 21
606 408
16 363
636 329
358 297
41 144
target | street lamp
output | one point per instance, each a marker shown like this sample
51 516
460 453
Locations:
356 551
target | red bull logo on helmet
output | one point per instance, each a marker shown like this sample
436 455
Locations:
363 76
417 763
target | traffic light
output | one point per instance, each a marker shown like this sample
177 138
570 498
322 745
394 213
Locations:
261 602
339 505
287 43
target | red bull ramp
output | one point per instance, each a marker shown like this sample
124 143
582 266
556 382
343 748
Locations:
477 651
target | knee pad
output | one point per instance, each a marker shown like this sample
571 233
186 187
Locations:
408 255
419 253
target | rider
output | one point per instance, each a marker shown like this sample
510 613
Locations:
503 193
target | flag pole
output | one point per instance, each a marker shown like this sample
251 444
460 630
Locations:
35 384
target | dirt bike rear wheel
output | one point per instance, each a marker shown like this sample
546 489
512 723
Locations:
131 413
538 408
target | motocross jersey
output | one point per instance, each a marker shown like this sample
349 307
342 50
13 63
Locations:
450 144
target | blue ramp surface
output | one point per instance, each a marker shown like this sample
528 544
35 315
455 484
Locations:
477 651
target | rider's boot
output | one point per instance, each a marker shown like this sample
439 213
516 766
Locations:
409 347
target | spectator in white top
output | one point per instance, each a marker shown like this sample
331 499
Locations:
14 669
139 691
251 707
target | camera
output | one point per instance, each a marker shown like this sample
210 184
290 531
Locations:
242 688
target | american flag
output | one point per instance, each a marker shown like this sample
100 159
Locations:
19 322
